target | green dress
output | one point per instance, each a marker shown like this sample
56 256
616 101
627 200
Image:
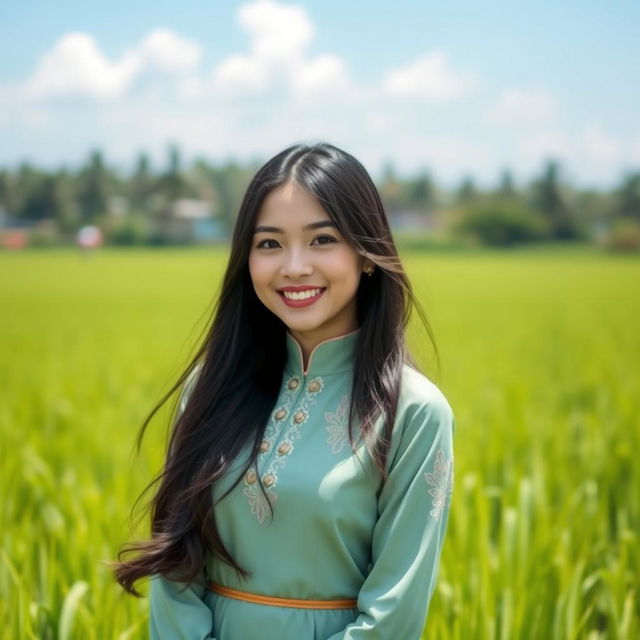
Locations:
336 532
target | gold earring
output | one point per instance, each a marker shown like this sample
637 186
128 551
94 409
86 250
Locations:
369 271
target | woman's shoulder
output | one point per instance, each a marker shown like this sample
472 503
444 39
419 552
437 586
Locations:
424 419
419 396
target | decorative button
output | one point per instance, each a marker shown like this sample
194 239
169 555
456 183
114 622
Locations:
268 480
284 448
299 417
264 446
314 386
280 413
293 383
250 477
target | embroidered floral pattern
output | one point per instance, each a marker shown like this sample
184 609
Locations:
281 418
338 426
441 481
258 502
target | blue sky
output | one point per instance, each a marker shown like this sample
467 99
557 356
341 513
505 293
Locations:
457 88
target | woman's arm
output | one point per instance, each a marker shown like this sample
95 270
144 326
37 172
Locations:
407 539
178 611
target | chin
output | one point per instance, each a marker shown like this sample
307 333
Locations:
301 325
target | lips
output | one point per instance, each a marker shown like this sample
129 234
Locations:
300 296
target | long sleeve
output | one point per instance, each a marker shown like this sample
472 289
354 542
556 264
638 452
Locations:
178 611
413 509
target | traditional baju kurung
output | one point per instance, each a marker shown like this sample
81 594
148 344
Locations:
337 532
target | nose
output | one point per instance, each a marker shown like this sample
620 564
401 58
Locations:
296 264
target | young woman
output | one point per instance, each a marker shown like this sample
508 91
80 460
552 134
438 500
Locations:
307 485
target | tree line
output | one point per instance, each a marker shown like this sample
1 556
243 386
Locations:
547 208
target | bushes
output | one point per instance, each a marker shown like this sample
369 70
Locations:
128 231
624 236
500 222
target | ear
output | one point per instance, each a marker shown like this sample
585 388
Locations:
368 267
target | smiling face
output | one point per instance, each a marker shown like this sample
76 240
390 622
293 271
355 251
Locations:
303 270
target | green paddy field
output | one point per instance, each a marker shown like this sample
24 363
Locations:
539 357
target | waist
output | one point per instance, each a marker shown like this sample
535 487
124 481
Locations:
273 601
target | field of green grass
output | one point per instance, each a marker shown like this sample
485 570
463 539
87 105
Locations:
540 359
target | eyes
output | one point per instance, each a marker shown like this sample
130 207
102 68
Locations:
323 239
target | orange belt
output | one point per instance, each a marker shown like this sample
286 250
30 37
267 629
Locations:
296 603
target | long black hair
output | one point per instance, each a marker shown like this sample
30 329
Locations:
241 361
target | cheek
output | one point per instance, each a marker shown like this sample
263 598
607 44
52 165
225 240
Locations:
343 270
257 270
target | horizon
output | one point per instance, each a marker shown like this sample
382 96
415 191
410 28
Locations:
453 90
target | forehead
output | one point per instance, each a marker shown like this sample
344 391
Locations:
289 206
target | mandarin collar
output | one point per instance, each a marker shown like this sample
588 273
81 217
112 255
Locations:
334 355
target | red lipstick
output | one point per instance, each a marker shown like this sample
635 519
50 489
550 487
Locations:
305 302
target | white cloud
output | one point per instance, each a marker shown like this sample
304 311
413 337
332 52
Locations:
277 31
277 58
533 105
169 52
242 74
589 154
544 143
75 66
191 88
324 74
379 122
599 146
431 77
157 91
449 155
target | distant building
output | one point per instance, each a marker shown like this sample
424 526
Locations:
189 221
14 234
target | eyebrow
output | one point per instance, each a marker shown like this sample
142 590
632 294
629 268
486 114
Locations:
313 225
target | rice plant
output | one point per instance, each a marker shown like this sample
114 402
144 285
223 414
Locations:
540 359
